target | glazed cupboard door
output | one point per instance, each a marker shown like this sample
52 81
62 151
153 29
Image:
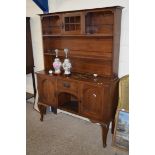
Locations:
73 23
92 102
51 24
46 90
99 22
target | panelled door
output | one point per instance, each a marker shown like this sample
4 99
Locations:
92 101
46 90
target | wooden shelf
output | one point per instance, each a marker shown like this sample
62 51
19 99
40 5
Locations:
70 107
71 23
56 26
81 57
78 35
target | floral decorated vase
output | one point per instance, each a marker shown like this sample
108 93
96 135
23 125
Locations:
57 64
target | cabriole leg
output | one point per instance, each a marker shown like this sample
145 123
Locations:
42 110
105 128
113 126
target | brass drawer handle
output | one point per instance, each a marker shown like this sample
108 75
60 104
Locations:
66 85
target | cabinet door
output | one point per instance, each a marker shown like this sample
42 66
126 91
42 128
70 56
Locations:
99 22
51 24
46 90
92 101
73 23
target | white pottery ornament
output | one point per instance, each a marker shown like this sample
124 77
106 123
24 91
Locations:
50 71
57 63
95 77
66 64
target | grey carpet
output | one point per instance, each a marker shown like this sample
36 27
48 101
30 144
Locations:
64 135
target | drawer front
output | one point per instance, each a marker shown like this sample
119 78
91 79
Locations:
68 86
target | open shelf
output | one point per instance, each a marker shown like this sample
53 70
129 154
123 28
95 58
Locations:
70 107
78 35
51 25
68 102
52 30
105 29
100 22
81 57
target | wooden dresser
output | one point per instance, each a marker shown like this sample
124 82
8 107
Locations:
93 39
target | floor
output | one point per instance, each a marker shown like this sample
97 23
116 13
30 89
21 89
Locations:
63 134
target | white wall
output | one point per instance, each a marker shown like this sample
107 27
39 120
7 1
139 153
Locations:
31 11
65 5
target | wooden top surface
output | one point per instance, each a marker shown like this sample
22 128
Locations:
80 77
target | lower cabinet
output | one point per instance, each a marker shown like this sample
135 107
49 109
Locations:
47 90
92 101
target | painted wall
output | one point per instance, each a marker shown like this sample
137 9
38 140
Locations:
31 11
64 5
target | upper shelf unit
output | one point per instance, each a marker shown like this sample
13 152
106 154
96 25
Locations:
92 37
88 22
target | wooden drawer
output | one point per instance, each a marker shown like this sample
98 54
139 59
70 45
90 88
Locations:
67 86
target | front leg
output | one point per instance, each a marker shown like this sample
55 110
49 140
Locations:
113 126
105 128
42 110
